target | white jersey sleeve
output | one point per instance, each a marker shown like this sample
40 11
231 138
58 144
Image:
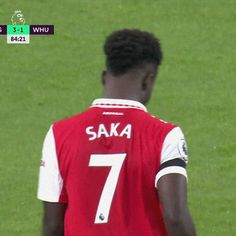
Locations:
174 154
50 181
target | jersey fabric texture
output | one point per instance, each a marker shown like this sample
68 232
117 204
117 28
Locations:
105 164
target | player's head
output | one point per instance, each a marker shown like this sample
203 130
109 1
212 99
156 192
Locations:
133 57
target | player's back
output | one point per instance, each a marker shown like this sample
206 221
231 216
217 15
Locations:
108 159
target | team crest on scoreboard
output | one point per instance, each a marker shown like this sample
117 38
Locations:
18 18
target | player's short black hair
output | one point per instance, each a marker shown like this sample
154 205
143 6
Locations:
128 48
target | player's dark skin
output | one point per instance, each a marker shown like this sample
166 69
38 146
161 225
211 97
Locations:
136 85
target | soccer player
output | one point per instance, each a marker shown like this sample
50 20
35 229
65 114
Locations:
116 170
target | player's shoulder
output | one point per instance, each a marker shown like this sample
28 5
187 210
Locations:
160 122
70 122
67 120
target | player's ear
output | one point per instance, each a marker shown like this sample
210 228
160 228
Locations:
144 83
103 77
147 81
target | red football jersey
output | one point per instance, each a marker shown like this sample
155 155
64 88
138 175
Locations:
105 164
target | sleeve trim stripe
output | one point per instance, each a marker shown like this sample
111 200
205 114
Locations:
47 198
170 170
173 162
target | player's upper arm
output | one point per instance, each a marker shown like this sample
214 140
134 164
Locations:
53 219
50 181
173 155
171 183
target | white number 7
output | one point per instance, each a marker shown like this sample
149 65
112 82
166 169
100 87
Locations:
115 161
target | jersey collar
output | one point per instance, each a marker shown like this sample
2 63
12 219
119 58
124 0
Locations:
118 103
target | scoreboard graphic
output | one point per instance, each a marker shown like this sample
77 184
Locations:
19 32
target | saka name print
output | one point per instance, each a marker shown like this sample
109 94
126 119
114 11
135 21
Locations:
114 129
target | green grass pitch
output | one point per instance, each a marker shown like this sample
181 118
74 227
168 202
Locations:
58 76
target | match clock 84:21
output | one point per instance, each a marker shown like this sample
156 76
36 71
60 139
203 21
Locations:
18 34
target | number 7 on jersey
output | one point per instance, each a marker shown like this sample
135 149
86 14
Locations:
115 161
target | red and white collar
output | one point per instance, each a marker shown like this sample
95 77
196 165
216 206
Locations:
118 103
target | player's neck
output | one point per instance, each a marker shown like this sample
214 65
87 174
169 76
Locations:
120 96
122 88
